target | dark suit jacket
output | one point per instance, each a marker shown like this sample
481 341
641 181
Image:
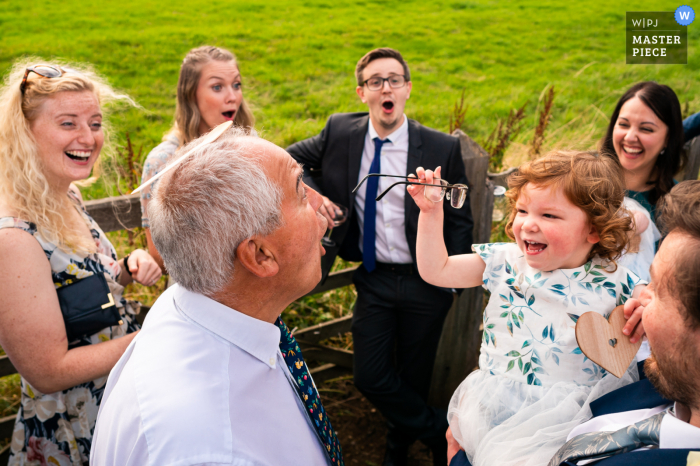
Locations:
639 395
332 165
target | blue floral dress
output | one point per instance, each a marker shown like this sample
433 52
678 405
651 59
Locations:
56 428
534 384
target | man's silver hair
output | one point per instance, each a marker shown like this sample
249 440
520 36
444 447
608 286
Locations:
204 209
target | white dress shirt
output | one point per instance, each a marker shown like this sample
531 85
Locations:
203 384
675 432
391 243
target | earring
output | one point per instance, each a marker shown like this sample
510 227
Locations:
662 151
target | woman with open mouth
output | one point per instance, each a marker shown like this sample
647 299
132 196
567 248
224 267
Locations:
64 322
645 134
209 92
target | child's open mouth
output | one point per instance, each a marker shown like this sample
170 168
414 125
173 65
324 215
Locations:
229 115
388 106
534 248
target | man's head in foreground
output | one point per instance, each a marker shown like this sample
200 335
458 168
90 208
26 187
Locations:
235 222
672 301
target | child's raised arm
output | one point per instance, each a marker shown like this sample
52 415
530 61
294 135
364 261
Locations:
434 265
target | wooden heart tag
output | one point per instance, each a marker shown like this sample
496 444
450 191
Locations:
603 342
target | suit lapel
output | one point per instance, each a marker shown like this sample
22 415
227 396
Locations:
415 155
638 395
355 148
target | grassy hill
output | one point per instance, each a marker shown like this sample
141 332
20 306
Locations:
298 58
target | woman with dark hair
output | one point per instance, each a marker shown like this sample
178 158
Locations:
209 92
645 134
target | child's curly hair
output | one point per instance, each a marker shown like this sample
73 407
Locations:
594 183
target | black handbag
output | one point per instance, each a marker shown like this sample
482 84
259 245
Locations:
87 306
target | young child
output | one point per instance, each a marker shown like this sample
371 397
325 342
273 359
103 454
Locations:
534 384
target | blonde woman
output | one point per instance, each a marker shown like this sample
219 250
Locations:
209 92
63 320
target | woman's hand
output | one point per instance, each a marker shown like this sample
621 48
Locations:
416 191
144 269
328 209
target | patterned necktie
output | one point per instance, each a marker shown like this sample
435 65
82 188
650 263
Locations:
370 232
308 394
603 444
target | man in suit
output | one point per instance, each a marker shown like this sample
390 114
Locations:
398 317
656 420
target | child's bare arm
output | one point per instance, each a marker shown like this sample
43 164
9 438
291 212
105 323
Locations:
434 265
641 222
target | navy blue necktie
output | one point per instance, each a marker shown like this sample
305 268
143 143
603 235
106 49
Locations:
370 232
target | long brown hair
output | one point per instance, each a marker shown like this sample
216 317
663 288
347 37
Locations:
593 183
187 114
664 103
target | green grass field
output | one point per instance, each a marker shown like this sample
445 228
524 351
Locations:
298 58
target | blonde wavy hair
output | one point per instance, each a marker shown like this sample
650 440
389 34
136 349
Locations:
23 185
187 114
593 183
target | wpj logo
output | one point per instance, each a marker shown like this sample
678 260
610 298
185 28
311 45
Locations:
658 37
643 23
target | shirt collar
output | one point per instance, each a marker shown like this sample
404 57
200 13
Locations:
393 137
258 338
676 432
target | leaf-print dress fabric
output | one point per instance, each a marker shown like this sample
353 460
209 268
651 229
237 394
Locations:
533 384
56 428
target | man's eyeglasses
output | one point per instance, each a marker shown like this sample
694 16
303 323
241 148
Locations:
45 71
455 193
395 81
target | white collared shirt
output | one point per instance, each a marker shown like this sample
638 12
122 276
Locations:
675 431
391 243
203 384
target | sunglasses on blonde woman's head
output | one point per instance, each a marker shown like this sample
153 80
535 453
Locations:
45 71
455 193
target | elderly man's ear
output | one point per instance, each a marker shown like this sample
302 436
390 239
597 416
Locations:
257 258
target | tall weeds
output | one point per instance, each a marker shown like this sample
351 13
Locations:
542 122
458 113
501 137
128 168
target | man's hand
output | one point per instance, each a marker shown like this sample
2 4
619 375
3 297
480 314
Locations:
328 209
416 191
633 313
452 445
143 267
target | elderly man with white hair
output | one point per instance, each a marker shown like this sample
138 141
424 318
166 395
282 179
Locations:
215 377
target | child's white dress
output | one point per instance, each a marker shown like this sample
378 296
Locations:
534 384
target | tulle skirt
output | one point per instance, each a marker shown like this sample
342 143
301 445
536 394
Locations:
500 421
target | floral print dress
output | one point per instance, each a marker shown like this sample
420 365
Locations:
534 384
156 161
56 428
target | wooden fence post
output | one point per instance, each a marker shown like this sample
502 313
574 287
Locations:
693 165
458 350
